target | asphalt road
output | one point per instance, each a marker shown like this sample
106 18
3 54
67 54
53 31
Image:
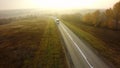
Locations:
81 55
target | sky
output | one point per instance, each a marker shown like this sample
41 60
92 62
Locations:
56 4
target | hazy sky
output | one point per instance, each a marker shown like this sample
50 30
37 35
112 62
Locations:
56 4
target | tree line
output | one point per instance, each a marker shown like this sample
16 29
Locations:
110 18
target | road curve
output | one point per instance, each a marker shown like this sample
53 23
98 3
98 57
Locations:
81 55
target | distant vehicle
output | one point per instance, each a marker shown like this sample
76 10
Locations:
57 21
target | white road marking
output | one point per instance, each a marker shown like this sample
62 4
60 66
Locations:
77 47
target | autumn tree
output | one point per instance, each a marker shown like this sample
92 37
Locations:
87 19
116 12
96 17
109 18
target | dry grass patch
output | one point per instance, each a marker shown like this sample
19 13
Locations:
30 43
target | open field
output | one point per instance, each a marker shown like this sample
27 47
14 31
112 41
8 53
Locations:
105 42
31 43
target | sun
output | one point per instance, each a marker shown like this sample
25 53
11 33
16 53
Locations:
63 4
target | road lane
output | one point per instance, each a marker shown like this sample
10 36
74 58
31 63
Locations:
77 47
82 56
71 49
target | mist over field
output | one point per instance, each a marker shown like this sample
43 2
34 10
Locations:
60 34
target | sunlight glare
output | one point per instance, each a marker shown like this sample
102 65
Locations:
62 4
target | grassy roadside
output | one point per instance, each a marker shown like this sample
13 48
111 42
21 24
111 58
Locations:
50 53
96 43
31 43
